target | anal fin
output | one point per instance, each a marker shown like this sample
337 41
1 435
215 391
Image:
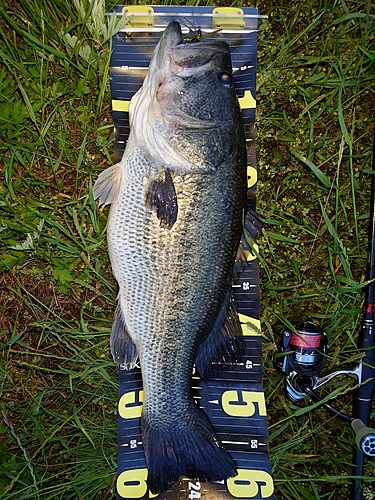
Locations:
225 342
123 349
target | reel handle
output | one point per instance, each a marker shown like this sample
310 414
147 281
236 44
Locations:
364 437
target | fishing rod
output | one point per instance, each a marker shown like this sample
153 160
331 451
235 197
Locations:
362 398
302 355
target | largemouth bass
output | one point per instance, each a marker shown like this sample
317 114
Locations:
175 222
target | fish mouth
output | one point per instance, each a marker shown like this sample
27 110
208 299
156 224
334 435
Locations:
181 60
172 35
189 55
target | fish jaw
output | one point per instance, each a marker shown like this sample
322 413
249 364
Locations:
159 65
187 95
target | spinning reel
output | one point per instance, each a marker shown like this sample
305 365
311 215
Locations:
301 357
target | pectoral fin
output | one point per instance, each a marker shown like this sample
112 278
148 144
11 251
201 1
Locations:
161 198
107 185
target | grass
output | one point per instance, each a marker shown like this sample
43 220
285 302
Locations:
314 140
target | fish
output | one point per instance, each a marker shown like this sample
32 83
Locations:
177 205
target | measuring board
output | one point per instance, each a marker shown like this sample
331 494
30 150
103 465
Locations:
231 396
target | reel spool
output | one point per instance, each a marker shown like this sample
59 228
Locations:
305 349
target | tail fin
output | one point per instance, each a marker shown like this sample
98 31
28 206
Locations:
189 448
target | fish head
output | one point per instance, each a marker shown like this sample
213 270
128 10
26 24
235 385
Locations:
186 113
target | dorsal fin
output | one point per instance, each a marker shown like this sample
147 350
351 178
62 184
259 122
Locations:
122 347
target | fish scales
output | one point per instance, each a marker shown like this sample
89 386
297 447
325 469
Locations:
170 283
174 228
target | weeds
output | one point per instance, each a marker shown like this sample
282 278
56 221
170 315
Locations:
314 141
58 384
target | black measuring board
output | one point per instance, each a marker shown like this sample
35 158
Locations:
231 396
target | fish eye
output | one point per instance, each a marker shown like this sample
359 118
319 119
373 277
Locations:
226 78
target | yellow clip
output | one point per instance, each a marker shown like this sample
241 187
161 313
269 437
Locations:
247 101
228 18
142 16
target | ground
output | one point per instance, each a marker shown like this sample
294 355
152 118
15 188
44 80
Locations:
315 109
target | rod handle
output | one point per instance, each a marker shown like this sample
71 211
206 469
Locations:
364 437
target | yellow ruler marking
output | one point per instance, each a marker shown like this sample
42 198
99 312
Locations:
250 326
118 105
252 176
249 255
246 102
